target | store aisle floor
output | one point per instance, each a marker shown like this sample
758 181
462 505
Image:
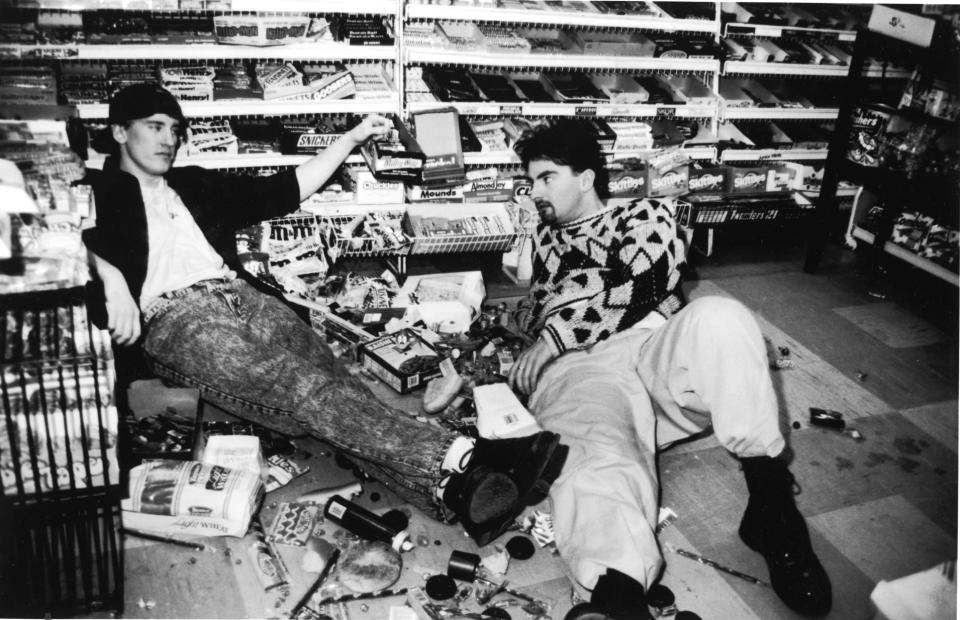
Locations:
878 509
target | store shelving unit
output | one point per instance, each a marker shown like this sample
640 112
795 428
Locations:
706 69
936 194
403 55
319 51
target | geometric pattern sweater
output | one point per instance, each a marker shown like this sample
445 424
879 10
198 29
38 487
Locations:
601 274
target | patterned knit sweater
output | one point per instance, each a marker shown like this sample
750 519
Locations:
603 273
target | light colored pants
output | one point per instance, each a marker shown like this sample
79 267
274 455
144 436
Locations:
707 364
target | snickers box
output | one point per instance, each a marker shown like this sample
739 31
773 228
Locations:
402 360
303 140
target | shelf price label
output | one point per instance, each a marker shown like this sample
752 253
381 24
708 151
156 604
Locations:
511 110
770 156
585 110
667 112
767 31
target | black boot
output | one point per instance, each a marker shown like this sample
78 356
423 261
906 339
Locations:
503 477
773 527
615 597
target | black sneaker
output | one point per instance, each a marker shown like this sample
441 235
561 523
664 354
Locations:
486 502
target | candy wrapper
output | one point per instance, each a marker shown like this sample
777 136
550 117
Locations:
260 30
281 470
293 524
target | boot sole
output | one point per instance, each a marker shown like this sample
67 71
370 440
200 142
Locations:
472 505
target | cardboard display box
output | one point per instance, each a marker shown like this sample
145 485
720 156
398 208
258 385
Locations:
399 158
402 360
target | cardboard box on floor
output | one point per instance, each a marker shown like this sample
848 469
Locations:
446 302
403 360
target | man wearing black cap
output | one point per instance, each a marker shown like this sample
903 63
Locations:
163 245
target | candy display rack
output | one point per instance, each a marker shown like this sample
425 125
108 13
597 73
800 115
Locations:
60 507
878 159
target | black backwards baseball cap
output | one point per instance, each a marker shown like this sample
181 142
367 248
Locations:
142 100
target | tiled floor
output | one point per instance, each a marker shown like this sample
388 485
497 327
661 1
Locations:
878 509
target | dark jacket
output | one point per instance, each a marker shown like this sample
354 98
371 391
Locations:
220 204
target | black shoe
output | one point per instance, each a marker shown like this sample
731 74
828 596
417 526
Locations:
773 527
587 611
532 462
615 597
486 502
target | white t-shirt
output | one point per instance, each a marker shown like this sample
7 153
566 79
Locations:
179 253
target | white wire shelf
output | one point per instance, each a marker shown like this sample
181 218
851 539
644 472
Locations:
483 108
495 158
258 107
558 18
750 67
218 161
201 51
741 113
375 7
728 155
911 257
561 61
775 32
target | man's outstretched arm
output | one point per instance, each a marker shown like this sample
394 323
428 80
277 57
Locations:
314 172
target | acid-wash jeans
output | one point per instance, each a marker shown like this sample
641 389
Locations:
252 355
707 365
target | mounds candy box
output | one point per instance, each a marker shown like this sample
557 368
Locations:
474 190
402 360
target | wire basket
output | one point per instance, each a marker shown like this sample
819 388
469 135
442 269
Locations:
442 229
382 234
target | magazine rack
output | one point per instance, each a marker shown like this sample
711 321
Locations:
60 552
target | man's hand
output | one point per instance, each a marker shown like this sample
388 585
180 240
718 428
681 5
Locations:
526 371
373 125
123 315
